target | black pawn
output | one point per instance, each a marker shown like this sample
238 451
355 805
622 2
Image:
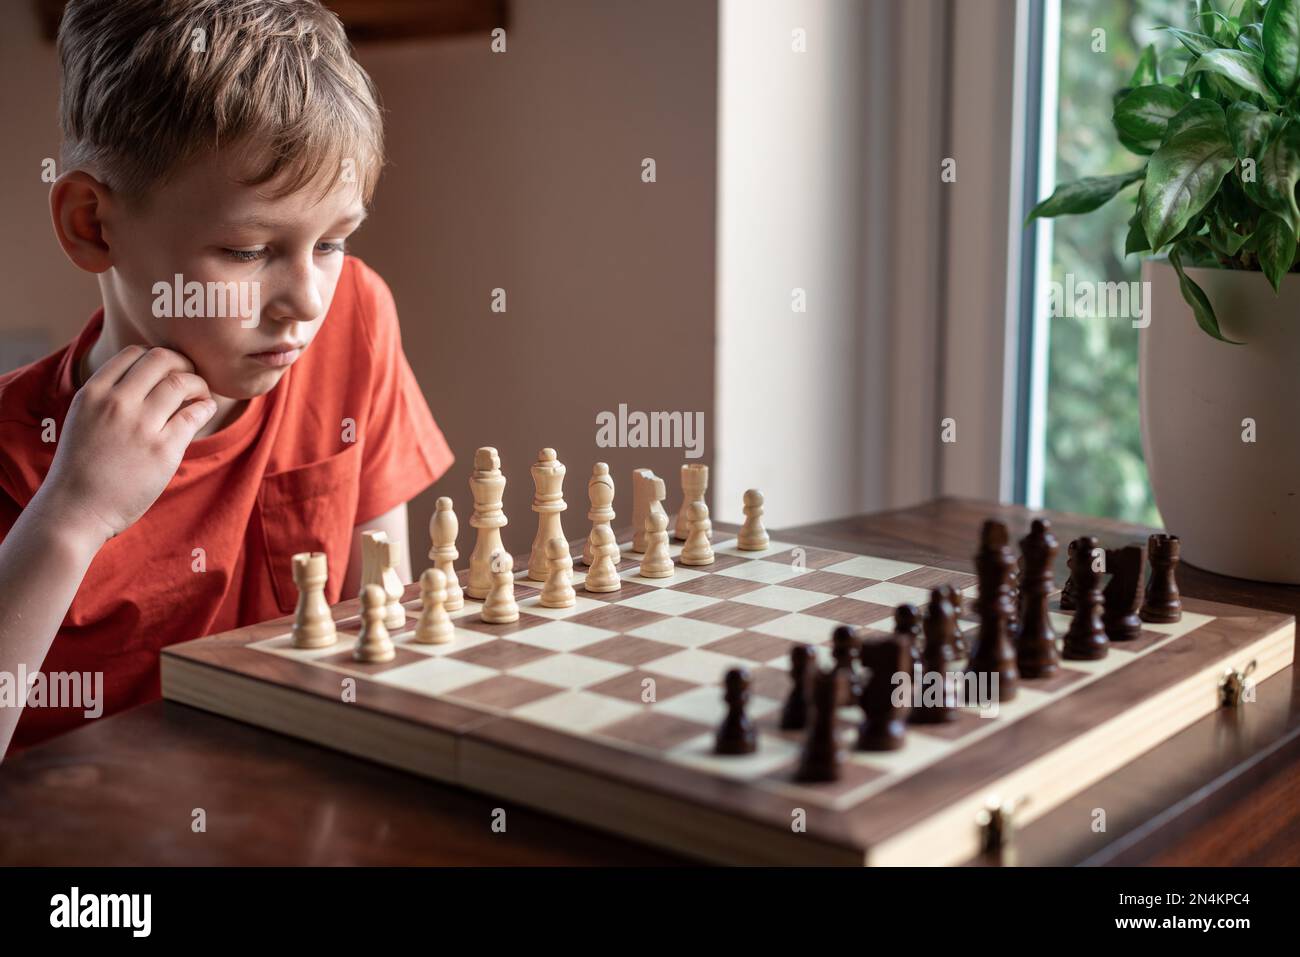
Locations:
1086 638
1070 591
794 716
1036 655
937 662
907 625
844 652
821 753
959 648
736 735
1162 603
884 721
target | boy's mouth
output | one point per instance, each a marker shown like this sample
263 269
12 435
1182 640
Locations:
282 355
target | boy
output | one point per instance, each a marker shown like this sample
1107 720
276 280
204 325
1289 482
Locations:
158 473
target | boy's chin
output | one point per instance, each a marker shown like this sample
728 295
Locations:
245 384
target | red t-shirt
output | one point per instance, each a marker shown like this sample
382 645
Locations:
344 437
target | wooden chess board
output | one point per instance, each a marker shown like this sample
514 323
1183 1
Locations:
551 711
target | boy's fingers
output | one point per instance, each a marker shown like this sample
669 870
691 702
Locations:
172 391
151 368
116 367
188 420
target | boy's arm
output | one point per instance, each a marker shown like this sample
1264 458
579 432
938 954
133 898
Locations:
122 441
393 523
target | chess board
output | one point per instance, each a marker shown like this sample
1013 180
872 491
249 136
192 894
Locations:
605 713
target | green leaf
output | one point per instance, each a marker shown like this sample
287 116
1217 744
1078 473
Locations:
1195 297
1277 172
1197 43
1136 240
1082 196
1182 178
1252 39
1282 45
1196 114
1224 238
1148 69
1275 244
1243 69
1143 116
1250 128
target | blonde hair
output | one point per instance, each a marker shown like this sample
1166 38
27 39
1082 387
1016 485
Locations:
149 84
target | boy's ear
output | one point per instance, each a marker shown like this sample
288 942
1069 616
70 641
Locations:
78 205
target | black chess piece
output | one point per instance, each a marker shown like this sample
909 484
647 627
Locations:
1123 593
959 648
994 654
1017 575
736 734
907 624
1163 603
1086 638
820 761
1069 591
803 660
1036 655
844 652
884 721
937 660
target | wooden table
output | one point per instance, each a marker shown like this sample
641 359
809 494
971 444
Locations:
124 790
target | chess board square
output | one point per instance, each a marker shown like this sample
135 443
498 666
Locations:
563 635
849 611
1063 678
1145 639
618 618
805 629
919 751
581 603
344 660
633 686
576 711
769 682
503 692
705 705
665 601
470 607
569 670
928 577
866 566
811 558
435 676
716 586
829 583
694 664
773 754
460 640
283 645
891 594
734 614
1189 621
752 646
501 654
852 776
628 589
719 563
683 632
654 730
730 547
966 722
783 599
769 573
526 620
681 574
629 650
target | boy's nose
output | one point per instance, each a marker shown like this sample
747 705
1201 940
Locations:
296 297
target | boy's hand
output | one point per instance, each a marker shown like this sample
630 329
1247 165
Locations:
123 439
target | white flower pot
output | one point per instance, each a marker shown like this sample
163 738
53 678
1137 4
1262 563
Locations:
1234 503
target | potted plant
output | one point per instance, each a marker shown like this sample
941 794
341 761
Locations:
1215 210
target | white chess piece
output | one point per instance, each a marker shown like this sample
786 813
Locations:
434 626
487 485
558 590
548 503
695 482
753 536
443 529
499 607
603 576
379 567
697 550
373 643
313 625
657 563
600 491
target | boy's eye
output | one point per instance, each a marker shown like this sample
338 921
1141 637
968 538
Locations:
338 247
245 255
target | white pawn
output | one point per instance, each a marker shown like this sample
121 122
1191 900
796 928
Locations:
657 562
558 590
603 576
373 644
697 550
499 606
443 529
753 536
434 626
